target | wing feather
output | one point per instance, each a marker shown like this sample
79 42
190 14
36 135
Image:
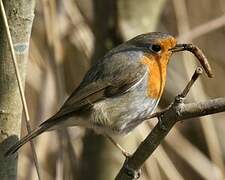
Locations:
107 78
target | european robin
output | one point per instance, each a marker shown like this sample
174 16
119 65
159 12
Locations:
118 91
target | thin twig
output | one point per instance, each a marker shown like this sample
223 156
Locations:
203 29
176 112
184 93
19 81
195 76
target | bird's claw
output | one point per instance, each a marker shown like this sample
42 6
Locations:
135 174
126 154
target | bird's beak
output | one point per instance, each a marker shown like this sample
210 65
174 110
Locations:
180 47
198 54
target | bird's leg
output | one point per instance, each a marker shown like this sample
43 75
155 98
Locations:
130 172
123 151
134 174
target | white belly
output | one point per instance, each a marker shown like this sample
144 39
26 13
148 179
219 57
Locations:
123 113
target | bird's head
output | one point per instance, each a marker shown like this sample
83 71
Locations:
155 45
156 48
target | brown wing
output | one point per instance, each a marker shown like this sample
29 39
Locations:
112 76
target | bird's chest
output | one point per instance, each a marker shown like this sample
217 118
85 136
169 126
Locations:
156 76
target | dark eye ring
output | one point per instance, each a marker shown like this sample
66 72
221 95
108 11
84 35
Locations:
155 48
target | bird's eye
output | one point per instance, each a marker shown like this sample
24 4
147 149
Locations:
156 48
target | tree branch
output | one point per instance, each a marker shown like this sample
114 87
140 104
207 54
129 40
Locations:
203 29
177 111
202 108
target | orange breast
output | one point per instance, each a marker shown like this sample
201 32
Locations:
157 66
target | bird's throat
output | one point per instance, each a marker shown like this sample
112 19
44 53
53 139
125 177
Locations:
156 75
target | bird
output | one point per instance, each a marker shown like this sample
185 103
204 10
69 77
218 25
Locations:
118 91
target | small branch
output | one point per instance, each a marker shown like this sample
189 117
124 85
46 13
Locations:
195 76
19 81
177 111
203 29
192 110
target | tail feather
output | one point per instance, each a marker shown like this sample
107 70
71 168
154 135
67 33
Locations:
42 128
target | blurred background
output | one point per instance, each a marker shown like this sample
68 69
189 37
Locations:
69 36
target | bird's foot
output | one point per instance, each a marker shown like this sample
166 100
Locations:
123 151
135 174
